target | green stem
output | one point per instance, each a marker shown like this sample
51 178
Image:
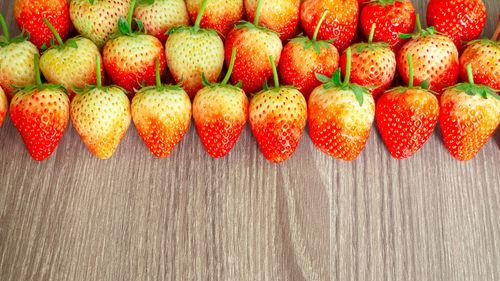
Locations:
158 76
419 24
469 74
275 73
348 66
410 65
257 13
37 71
5 29
54 31
200 14
319 24
230 69
98 73
497 32
372 32
130 14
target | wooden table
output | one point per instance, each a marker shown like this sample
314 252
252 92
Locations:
190 217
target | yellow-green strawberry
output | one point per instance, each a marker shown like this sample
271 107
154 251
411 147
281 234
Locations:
191 51
278 117
130 58
40 113
71 64
101 116
4 106
97 20
218 15
161 115
340 115
16 61
220 112
158 16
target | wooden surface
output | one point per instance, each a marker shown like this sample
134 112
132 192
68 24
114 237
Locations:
190 217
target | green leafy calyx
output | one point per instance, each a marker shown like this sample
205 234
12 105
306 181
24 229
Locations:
39 85
6 40
196 28
421 32
473 89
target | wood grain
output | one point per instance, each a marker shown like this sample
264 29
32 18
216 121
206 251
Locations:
190 217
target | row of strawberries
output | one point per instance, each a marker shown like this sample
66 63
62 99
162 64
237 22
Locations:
340 113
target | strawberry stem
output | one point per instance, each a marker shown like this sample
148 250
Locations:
319 24
129 16
257 13
497 32
4 27
469 74
98 71
200 15
275 72
348 66
230 69
54 31
410 65
158 77
37 71
372 32
419 24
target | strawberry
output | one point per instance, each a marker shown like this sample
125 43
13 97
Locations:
435 56
130 59
29 16
340 115
218 15
281 16
40 113
70 64
192 51
341 22
4 106
469 115
158 16
461 20
253 45
161 115
406 117
299 61
97 20
392 17
101 116
220 112
278 117
16 61
373 65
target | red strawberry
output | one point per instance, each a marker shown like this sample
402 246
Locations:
302 57
253 45
101 116
392 17
71 64
461 20
16 61
435 56
340 115
29 16
98 20
281 16
218 15
130 59
278 117
158 16
220 112
192 51
4 106
40 113
341 22
161 115
484 55
406 117
469 115
373 65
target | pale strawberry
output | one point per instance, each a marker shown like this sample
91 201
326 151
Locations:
281 16
40 113
101 116
161 115
71 64
191 51
158 16
218 15
220 112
